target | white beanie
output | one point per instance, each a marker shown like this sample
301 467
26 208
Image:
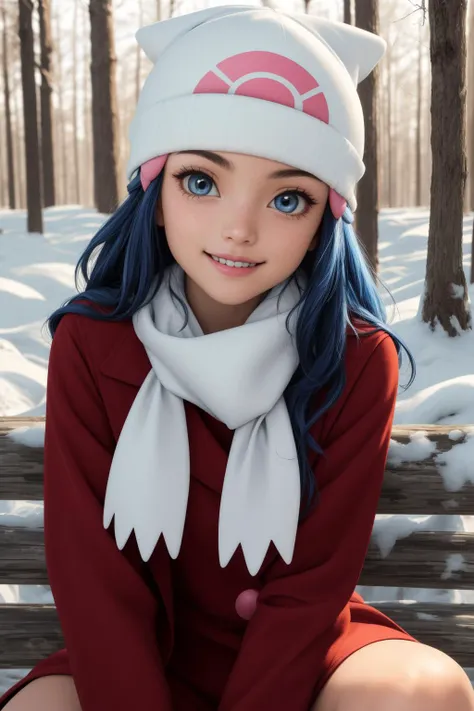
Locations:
257 81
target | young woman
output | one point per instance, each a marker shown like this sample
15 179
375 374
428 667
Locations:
220 399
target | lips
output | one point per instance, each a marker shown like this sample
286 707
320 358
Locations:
232 258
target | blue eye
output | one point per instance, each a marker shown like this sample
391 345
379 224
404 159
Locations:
289 203
198 184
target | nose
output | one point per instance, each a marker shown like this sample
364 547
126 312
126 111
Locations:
240 226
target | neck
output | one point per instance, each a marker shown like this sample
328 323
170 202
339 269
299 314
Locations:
213 316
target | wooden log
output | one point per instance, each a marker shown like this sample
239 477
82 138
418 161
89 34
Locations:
409 487
419 561
418 487
424 559
30 633
21 472
22 560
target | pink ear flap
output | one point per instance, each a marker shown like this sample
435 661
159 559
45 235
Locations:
337 204
151 169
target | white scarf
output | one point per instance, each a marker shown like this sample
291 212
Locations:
238 376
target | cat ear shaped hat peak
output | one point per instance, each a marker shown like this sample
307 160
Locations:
257 81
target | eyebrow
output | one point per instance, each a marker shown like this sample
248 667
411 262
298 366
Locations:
224 163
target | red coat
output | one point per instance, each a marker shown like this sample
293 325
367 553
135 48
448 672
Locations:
165 636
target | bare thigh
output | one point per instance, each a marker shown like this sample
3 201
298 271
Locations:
56 692
397 675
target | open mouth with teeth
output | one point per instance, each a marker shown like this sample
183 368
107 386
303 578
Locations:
231 263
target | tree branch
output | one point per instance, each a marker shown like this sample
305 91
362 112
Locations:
420 6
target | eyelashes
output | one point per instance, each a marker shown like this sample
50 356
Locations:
187 171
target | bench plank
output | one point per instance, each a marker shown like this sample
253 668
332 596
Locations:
417 561
409 487
424 559
29 633
32 632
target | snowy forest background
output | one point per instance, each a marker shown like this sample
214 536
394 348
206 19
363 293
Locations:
72 72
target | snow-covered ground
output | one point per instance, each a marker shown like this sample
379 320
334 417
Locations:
37 275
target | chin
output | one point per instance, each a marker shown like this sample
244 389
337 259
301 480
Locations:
238 298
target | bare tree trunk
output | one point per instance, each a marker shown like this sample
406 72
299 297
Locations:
138 72
410 163
3 164
348 12
395 99
33 180
75 131
87 118
126 76
470 118
472 256
104 106
158 10
18 157
47 154
470 107
426 131
418 119
390 126
367 18
3 143
427 160
62 116
446 298
8 115
384 135
381 134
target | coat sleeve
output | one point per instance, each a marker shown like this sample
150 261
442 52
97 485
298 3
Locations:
302 608
107 612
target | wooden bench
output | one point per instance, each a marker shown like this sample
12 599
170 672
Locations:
29 633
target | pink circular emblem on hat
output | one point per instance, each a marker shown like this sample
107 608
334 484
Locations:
246 604
271 77
268 76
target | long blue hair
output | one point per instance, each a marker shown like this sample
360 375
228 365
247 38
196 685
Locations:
130 251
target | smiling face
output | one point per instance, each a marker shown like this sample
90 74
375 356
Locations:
225 211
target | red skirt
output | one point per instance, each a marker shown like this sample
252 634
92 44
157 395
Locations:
367 626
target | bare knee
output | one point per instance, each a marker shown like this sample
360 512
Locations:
423 692
48 693
414 678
